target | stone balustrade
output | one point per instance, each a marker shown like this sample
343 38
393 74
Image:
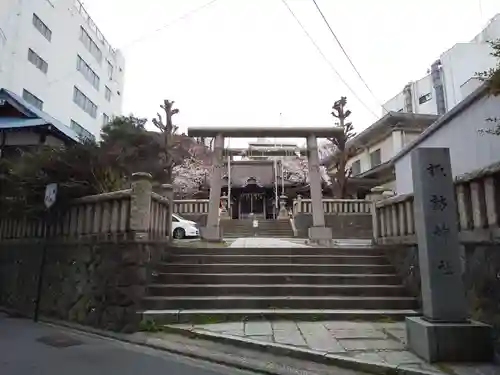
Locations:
118 212
478 201
335 206
191 206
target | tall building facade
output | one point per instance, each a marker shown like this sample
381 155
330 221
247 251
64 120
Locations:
55 57
451 77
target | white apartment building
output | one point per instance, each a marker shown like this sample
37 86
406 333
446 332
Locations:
451 78
53 55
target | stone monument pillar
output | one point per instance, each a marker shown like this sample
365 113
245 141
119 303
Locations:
212 231
444 333
283 213
140 205
168 192
224 212
318 232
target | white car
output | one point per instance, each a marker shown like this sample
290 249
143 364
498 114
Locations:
183 228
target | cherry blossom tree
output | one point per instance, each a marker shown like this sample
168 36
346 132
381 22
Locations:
190 176
295 169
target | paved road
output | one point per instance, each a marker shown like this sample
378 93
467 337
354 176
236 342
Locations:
27 348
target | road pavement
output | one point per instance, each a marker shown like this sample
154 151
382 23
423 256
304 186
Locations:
28 348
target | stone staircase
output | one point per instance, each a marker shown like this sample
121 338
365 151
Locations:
267 228
276 283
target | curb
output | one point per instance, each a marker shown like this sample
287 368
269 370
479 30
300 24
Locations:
255 366
276 349
303 354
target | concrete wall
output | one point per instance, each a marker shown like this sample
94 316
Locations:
419 88
389 146
100 284
481 267
469 149
55 88
343 226
460 63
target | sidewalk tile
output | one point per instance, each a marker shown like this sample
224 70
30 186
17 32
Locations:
319 338
371 344
258 328
221 327
356 333
333 325
371 357
399 334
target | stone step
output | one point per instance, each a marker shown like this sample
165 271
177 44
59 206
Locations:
278 259
258 233
275 278
215 316
277 251
203 316
275 290
280 302
274 268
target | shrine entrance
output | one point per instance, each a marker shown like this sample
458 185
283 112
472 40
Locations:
252 203
317 232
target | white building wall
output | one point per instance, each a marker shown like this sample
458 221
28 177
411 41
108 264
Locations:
469 149
418 88
459 65
396 104
55 89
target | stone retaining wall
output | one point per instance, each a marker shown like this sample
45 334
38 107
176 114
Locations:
481 272
95 283
357 226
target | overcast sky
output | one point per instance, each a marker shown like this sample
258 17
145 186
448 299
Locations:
242 62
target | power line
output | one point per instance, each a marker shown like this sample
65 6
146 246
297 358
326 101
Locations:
184 16
326 59
347 55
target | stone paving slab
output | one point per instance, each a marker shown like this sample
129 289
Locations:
382 343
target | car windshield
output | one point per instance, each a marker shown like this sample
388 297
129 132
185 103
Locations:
179 217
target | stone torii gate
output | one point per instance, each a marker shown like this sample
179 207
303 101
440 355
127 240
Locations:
318 232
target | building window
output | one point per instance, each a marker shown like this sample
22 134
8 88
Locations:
110 70
356 168
424 98
40 26
107 94
90 45
375 158
105 119
87 72
84 103
36 60
83 133
32 99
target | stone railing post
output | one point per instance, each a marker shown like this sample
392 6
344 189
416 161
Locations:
140 205
168 192
376 229
283 213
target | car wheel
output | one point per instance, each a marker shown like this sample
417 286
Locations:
179 233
